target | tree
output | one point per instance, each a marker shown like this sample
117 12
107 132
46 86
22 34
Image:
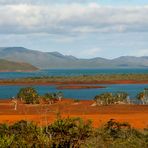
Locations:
104 99
121 96
60 95
141 97
15 102
49 97
109 98
29 95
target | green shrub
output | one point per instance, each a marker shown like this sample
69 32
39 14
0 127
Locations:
29 95
69 132
72 133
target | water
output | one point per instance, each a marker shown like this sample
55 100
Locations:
82 94
70 72
132 89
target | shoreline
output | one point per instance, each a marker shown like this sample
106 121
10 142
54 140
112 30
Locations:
62 87
12 82
20 71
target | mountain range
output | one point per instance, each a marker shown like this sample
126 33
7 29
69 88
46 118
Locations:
47 60
15 66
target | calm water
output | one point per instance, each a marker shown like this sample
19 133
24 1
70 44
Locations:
70 72
132 89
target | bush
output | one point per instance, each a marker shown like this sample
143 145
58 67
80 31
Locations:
23 134
117 135
72 133
29 95
110 98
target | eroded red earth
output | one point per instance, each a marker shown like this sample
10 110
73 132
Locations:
136 115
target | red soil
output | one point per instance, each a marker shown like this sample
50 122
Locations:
78 87
136 115
74 82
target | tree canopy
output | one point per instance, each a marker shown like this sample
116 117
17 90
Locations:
29 95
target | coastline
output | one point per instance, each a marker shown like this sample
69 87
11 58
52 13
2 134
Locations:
61 87
12 82
2 71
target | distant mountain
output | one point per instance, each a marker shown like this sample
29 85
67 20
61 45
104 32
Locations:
45 60
15 66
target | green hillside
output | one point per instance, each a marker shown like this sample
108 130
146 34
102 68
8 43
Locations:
15 66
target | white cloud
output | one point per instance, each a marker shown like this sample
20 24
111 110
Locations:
16 2
94 52
87 53
12 2
71 19
140 52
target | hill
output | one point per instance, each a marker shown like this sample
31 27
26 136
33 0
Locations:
45 60
15 66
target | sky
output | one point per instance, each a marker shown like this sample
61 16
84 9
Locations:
82 28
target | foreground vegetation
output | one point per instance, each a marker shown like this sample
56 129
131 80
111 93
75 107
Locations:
72 133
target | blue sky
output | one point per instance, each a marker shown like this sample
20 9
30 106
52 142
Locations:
83 28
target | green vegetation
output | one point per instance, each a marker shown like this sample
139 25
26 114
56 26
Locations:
30 96
52 97
49 97
86 79
143 96
110 98
72 133
140 97
15 66
117 135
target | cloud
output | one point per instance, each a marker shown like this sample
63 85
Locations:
17 2
71 19
87 53
140 52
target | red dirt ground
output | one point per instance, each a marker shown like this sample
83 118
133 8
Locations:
136 115
75 82
78 87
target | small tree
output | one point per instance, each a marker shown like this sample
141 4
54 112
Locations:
58 95
49 97
121 96
29 95
140 97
